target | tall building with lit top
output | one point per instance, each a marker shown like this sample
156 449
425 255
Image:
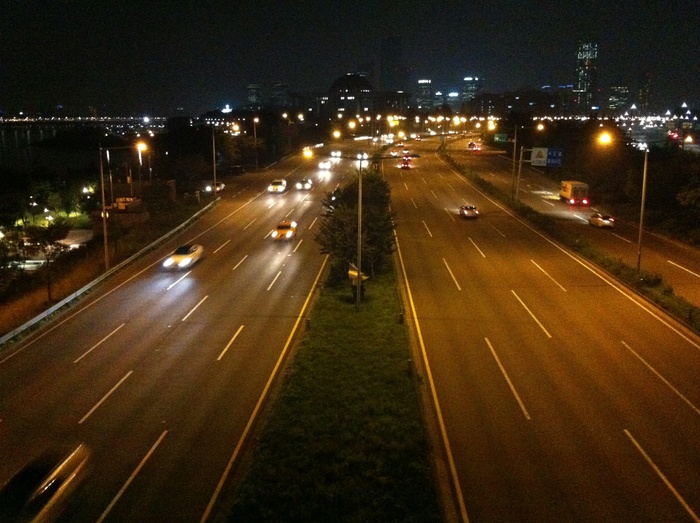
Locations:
471 88
586 83
618 99
424 95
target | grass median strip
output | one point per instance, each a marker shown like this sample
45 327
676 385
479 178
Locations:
345 439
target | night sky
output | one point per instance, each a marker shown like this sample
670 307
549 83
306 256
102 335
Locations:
154 56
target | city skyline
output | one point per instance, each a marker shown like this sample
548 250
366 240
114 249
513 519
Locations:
163 55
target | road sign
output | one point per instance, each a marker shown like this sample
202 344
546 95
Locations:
554 155
501 138
539 157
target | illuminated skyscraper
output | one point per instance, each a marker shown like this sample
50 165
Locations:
424 95
471 88
586 84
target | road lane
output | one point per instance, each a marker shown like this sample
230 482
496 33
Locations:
572 459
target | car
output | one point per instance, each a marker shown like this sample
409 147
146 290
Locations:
304 184
184 256
405 164
324 165
468 211
394 153
209 187
473 146
601 220
40 490
286 230
277 186
404 151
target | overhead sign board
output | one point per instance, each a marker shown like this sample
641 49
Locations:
554 155
500 138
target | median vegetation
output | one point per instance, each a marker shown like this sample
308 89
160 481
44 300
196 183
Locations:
345 439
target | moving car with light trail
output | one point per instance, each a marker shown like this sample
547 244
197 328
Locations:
468 211
277 186
184 256
601 220
286 230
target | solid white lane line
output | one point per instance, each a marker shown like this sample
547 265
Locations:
98 343
433 391
178 280
313 222
297 246
658 375
251 223
426 228
451 274
229 343
681 267
242 260
477 248
274 280
510 383
131 478
262 398
531 315
222 246
104 398
195 308
548 276
663 478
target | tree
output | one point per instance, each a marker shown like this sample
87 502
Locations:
337 234
47 240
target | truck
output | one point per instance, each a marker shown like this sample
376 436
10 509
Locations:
574 193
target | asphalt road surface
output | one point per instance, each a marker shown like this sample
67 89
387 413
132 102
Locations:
560 395
160 373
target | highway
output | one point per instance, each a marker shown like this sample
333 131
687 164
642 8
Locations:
676 262
560 396
161 373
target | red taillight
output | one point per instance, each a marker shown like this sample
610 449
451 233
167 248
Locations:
572 201
584 201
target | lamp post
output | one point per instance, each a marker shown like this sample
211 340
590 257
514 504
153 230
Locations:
213 158
641 210
140 147
255 139
361 157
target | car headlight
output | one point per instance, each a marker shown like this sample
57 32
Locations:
185 262
289 234
274 234
168 262
208 188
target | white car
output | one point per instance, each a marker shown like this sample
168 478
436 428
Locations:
184 256
324 165
277 186
601 220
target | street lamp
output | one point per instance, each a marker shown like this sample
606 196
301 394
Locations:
362 157
140 146
255 139
641 210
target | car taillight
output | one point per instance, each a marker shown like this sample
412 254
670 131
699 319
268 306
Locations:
572 201
584 201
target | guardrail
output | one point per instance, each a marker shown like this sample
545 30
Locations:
55 308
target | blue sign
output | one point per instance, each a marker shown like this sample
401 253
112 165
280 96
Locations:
554 155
